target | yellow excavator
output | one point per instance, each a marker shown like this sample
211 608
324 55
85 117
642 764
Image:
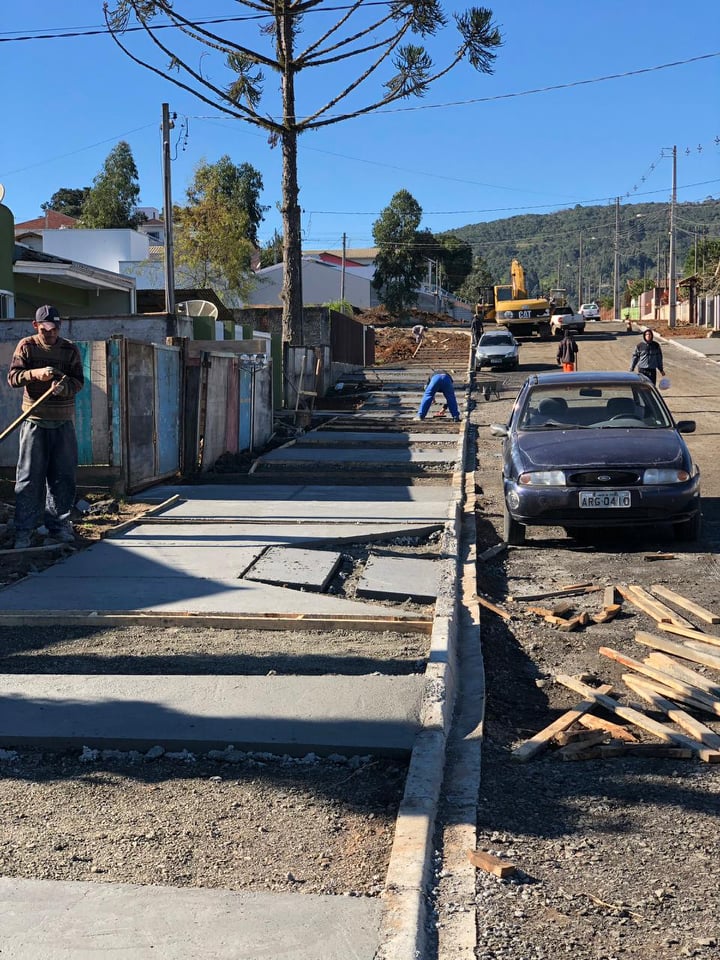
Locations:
509 305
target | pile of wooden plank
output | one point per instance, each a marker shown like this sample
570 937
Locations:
666 680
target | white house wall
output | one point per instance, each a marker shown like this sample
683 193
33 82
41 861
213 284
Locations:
98 248
321 284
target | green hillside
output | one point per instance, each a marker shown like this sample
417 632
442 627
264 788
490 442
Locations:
548 245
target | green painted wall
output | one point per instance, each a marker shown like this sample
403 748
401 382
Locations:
7 248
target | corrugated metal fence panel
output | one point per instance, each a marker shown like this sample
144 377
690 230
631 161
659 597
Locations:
167 410
231 424
140 413
114 401
244 399
91 410
83 408
10 404
213 439
100 426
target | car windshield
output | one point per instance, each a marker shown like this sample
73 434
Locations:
584 407
495 340
589 306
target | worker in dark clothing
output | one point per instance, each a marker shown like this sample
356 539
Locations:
567 352
648 357
477 325
439 380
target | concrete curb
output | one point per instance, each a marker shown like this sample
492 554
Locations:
404 924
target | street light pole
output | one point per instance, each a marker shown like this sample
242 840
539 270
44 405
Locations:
580 276
616 263
672 293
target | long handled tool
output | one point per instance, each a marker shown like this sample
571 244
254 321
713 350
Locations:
26 413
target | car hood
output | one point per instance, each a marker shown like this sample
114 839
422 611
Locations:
613 447
501 351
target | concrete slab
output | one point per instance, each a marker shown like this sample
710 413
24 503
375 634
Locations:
400 578
226 499
65 920
269 534
165 594
131 561
365 455
387 438
304 569
295 715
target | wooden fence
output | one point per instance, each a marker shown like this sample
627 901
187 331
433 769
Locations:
149 411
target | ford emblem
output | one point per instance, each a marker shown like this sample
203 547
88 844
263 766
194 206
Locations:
604 478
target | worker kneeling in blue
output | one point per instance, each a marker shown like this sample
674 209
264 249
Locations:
440 380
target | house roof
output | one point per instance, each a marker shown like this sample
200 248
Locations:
45 266
51 220
357 253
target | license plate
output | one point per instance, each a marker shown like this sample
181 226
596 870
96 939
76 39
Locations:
495 361
605 499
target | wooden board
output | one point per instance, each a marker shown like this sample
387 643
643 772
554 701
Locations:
682 650
489 605
491 864
640 719
150 512
689 690
707 615
674 668
651 606
578 588
689 632
615 730
267 621
695 728
540 741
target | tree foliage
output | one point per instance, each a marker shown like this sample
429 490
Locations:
703 261
67 200
272 251
477 281
112 199
216 233
456 257
361 44
400 263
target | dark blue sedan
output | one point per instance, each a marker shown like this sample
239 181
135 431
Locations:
596 449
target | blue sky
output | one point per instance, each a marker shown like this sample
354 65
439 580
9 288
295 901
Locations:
470 153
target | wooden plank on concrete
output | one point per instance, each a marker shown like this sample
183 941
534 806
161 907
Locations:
224 621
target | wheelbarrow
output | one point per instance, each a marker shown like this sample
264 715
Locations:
490 387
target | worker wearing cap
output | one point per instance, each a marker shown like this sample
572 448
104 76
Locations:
47 459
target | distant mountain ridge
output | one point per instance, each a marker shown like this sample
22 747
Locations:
548 245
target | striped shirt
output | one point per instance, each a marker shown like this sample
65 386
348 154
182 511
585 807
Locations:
63 356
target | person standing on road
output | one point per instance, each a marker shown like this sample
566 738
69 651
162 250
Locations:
439 380
567 352
477 326
648 357
47 459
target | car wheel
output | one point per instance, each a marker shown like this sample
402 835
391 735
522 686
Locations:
513 532
687 531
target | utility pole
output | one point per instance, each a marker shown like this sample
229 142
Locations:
672 293
167 126
342 271
580 265
616 264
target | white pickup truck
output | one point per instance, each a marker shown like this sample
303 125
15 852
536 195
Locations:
565 318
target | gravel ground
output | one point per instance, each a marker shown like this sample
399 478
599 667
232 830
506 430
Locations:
237 822
615 857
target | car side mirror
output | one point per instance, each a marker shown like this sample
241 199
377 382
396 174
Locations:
498 429
685 426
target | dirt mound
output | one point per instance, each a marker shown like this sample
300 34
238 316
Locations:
381 317
397 344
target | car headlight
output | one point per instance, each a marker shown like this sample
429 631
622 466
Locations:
655 475
543 478
508 315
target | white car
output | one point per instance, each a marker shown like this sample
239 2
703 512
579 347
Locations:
565 318
590 311
496 350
